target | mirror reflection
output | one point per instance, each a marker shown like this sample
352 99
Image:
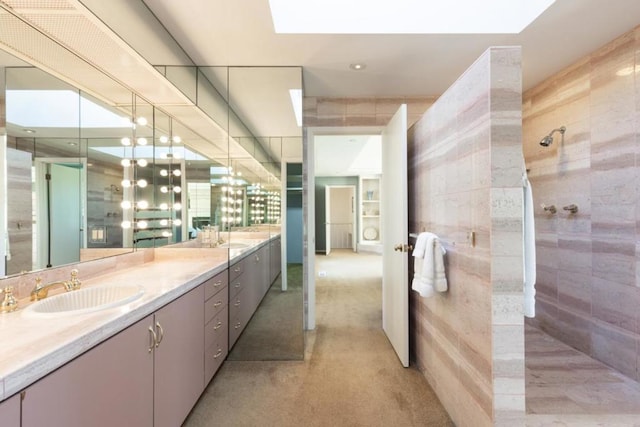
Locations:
87 178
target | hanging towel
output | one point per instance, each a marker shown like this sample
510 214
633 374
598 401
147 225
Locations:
425 290
429 274
529 251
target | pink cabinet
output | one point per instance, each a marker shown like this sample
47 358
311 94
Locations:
110 385
150 374
216 320
10 412
275 258
179 358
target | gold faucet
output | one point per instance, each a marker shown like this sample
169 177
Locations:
9 303
41 291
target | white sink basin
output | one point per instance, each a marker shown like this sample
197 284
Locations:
234 245
85 300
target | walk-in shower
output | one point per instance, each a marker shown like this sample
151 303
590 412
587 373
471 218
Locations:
547 140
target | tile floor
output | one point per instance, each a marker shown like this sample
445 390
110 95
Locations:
567 388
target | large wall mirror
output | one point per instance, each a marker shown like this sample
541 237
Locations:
88 178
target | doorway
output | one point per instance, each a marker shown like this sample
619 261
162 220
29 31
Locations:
340 217
60 186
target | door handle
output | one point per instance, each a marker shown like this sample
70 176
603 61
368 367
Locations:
402 248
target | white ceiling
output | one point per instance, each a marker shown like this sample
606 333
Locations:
347 155
232 32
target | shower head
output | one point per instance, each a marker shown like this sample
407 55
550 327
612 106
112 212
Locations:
547 140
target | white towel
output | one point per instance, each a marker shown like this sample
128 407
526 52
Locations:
429 274
529 251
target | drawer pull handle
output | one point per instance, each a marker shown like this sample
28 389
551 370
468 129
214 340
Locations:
237 325
237 270
152 339
237 285
217 284
218 354
160 334
257 258
237 303
217 304
215 328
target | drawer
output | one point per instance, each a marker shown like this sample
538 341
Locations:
215 284
236 285
213 358
213 305
236 269
216 329
235 329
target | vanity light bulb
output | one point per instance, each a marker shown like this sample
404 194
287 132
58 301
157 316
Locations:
141 141
224 209
230 200
142 163
164 139
125 141
239 210
142 225
142 183
177 172
177 222
224 219
163 172
164 189
163 206
164 222
125 204
126 183
142 204
177 189
166 234
142 121
239 174
125 163
177 206
224 199
176 139
239 192
125 224
223 189
238 219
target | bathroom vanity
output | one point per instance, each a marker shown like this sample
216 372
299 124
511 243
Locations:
144 363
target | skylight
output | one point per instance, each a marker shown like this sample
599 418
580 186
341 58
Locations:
405 16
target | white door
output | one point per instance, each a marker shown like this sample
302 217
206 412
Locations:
327 220
395 235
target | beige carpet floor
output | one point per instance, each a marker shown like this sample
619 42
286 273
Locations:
350 375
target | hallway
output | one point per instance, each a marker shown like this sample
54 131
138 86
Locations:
350 375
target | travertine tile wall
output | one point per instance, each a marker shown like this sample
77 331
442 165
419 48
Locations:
465 175
588 287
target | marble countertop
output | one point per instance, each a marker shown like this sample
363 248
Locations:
31 347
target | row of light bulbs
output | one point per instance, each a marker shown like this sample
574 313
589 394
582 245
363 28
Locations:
143 205
143 224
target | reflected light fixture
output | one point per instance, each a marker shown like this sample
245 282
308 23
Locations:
357 66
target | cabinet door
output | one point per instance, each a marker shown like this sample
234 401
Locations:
110 385
275 259
179 358
10 412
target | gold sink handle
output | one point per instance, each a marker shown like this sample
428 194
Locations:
9 303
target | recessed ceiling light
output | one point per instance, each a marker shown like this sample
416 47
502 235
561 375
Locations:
357 66
71 143
29 130
405 16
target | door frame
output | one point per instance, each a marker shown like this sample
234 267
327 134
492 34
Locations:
308 170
